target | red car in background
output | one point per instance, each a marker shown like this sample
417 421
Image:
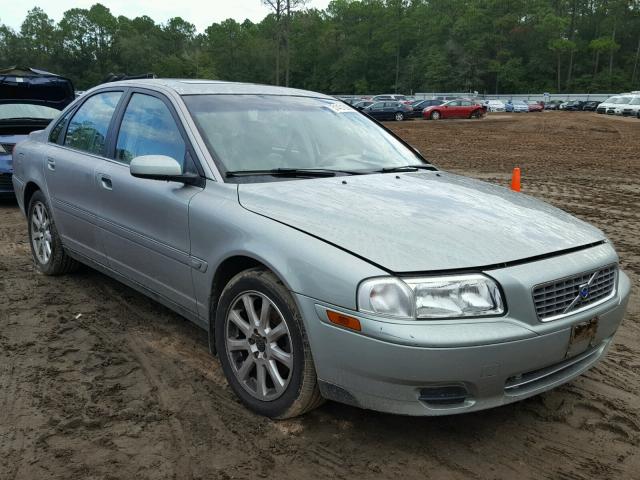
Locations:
535 106
454 109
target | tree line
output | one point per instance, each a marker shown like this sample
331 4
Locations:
354 46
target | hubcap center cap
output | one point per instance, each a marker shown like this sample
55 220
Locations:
260 343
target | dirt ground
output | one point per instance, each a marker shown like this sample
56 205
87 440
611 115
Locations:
98 382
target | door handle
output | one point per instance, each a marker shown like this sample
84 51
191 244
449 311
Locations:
51 163
105 181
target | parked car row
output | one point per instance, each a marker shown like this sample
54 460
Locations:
396 107
495 105
625 104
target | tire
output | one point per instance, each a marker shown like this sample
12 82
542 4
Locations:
475 114
435 115
245 349
399 116
47 251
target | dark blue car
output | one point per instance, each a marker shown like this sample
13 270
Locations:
29 100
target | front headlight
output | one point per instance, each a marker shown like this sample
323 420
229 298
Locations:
458 296
471 295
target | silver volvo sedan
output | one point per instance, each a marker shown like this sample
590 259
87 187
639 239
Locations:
326 258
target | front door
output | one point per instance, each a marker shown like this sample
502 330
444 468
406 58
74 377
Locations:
77 146
145 223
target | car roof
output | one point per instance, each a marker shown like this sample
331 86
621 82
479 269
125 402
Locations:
212 87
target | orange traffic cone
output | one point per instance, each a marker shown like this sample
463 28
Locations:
515 179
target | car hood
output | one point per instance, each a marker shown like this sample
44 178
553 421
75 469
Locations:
37 87
420 221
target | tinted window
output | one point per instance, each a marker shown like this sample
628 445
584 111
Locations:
377 106
54 136
88 128
465 104
148 128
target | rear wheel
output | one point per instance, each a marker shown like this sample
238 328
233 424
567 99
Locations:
435 115
399 116
476 114
263 346
46 247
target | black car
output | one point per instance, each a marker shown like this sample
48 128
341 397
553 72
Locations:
420 105
552 105
389 111
574 106
29 100
591 106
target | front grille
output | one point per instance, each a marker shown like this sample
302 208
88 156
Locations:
563 297
5 181
8 147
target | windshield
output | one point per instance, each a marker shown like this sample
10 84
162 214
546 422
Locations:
23 110
264 132
622 100
635 101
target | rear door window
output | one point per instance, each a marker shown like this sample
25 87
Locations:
88 128
55 134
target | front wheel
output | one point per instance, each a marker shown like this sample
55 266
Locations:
263 346
399 116
435 115
46 247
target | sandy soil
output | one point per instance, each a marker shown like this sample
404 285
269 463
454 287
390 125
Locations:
98 382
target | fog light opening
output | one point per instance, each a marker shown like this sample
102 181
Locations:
444 395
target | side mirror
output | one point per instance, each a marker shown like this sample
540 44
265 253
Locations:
160 167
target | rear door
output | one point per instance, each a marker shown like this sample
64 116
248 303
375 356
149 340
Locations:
145 223
77 146
390 109
466 107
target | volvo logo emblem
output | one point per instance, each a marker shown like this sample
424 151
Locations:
583 290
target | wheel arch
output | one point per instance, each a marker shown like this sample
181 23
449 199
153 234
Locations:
29 189
225 271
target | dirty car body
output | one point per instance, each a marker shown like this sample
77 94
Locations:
451 295
29 100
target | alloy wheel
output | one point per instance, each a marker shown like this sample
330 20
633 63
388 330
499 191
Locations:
259 347
399 117
435 116
41 233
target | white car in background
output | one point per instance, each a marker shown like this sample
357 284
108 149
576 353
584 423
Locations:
632 108
602 108
495 105
618 105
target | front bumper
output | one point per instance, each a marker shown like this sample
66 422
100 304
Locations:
388 367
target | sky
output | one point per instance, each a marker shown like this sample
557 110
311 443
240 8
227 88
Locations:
199 12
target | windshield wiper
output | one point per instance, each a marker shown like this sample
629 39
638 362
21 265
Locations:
292 172
406 168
